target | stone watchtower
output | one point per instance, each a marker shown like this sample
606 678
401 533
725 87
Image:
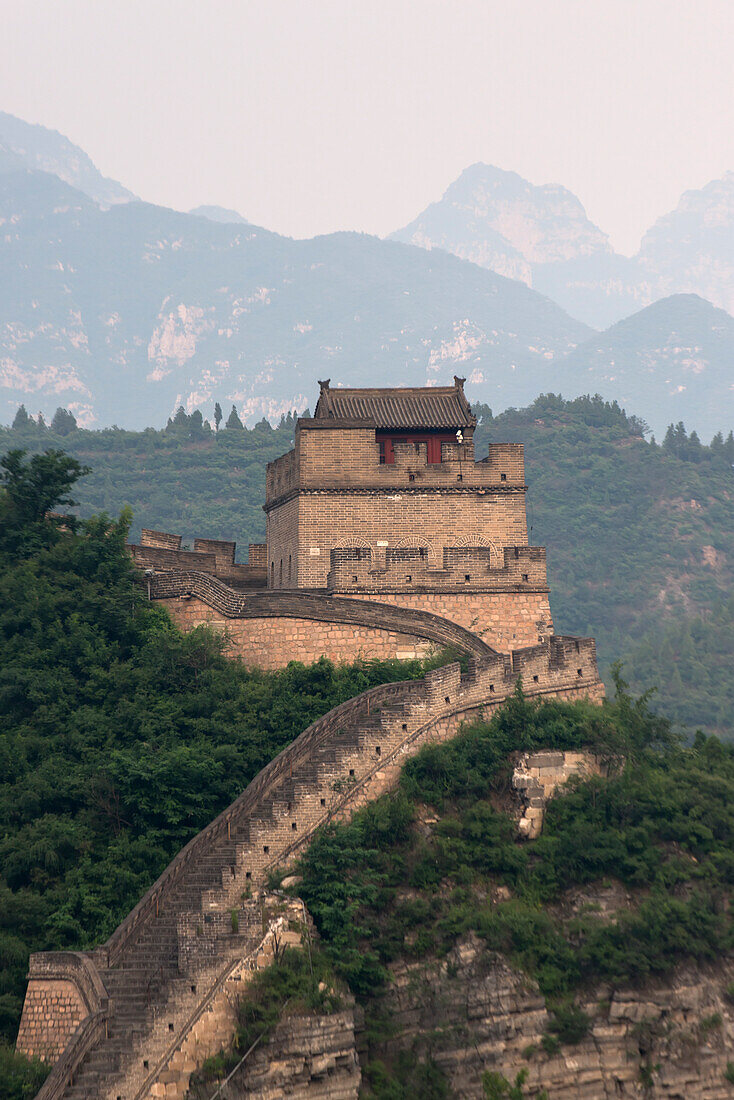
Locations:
382 499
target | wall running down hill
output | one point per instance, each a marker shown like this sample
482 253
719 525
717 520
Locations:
168 960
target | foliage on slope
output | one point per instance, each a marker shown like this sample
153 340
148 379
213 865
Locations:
639 540
420 867
187 478
120 737
639 536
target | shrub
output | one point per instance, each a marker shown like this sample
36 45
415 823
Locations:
569 1023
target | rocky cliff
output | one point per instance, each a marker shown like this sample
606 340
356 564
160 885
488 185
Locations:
472 1013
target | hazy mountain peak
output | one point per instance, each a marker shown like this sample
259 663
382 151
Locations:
219 214
692 247
670 361
44 150
501 221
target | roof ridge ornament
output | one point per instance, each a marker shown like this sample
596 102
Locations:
323 406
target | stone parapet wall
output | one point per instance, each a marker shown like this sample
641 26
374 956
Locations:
210 1027
64 988
311 608
159 551
339 453
268 629
271 643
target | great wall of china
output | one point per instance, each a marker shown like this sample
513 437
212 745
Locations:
133 1018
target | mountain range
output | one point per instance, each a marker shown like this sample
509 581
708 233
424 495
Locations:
541 235
120 310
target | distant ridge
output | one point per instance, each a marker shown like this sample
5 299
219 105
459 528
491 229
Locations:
672 361
124 314
41 149
219 214
541 235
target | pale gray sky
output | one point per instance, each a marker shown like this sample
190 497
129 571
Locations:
314 115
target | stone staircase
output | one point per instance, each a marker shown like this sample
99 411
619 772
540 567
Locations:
178 956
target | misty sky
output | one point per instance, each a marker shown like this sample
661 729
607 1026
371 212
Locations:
314 115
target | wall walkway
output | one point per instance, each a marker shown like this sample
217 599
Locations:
169 955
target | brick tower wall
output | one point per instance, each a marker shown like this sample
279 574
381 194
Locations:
331 490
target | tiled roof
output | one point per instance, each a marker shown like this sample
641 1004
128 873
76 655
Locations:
409 408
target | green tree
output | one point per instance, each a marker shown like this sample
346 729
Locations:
217 416
233 420
22 419
63 422
30 490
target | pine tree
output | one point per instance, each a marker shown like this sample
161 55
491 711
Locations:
729 447
217 416
233 420
41 423
22 419
63 422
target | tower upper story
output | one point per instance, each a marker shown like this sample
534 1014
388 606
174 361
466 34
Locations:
392 438
381 477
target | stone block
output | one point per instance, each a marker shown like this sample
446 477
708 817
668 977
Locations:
545 760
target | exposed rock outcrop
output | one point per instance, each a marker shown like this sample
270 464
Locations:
307 1056
474 1012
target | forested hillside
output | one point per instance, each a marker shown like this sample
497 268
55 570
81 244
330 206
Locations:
120 738
640 540
639 534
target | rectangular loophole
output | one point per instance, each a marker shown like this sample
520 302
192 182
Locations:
323 801
170 1027
409 579
491 687
526 576
467 576
293 825
351 772
503 477
145 1063
535 678
193 989
447 699
579 672
378 750
248 874
266 848
405 726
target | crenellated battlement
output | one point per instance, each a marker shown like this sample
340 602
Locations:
161 552
463 569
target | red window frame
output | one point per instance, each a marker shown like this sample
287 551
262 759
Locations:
433 441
